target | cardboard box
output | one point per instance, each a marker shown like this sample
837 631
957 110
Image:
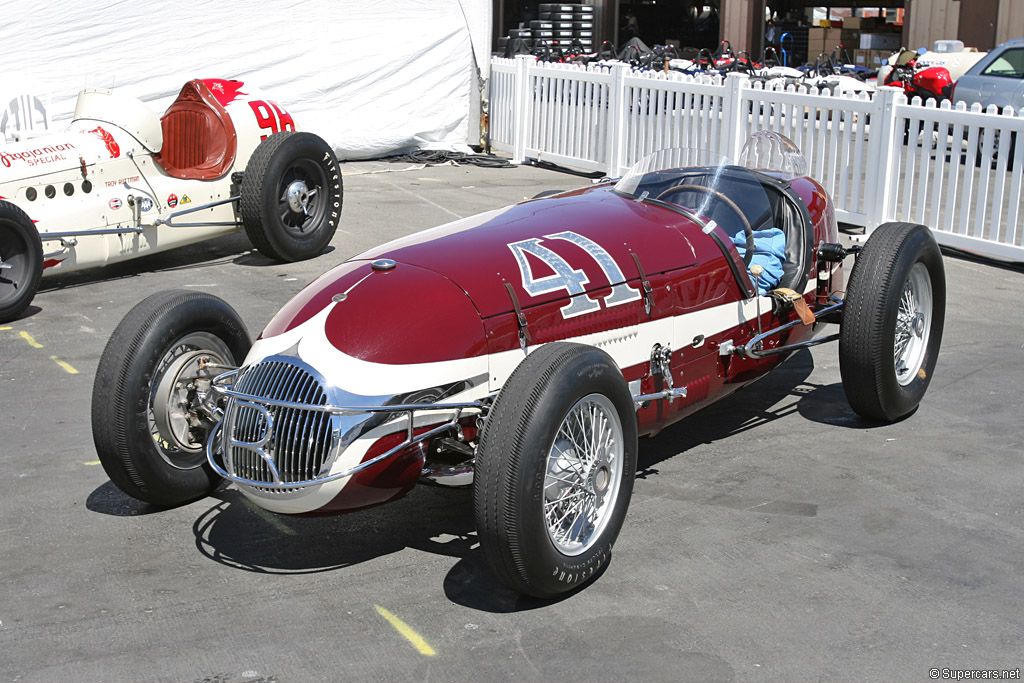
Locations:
872 59
880 41
851 24
818 33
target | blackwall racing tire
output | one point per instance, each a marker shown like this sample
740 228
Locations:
21 261
554 470
892 322
149 436
291 196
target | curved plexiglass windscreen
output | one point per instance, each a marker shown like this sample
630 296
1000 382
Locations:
721 194
708 187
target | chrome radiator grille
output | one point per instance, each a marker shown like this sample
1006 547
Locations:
300 440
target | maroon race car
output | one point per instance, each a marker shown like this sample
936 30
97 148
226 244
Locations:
521 352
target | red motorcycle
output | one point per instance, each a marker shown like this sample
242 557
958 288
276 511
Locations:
931 83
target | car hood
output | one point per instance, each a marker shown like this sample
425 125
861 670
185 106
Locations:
476 253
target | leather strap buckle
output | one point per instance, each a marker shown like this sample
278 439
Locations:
786 296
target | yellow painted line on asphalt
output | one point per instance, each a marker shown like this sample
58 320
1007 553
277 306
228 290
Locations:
92 462
64 366
31 342
8 327
273 520
410 635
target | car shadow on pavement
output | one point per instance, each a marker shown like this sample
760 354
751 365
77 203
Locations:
235 249
827 404
238 534
107 499
771 398
472 584
782 392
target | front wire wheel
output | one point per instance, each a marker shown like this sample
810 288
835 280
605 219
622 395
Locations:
554 470
147 423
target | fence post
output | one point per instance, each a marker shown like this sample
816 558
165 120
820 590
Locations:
520 108
880 195
618 115
732 115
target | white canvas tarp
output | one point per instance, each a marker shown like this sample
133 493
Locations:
372 78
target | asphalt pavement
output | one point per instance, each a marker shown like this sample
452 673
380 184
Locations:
772 537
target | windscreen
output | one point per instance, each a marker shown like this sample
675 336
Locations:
706 186
726 197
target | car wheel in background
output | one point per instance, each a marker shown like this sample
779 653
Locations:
291 196
21 261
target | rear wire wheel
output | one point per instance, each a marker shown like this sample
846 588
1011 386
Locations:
554 470
892 322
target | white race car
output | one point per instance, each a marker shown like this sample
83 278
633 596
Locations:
121 182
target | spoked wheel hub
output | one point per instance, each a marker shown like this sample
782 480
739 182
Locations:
599 479
913 320
584 474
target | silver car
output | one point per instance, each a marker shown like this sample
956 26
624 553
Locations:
997 79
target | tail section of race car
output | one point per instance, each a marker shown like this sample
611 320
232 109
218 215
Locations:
121 182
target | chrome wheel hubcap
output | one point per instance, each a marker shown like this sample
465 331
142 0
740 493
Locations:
297 196
172 420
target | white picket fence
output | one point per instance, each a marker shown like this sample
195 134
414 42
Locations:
880 157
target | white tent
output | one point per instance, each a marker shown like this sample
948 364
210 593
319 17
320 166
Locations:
370 77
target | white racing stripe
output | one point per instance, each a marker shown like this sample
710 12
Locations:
628 346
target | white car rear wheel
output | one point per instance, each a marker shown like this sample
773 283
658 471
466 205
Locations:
291 196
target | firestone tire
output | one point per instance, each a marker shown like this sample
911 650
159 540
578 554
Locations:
291 196
21 261
143 435
892 322
554 470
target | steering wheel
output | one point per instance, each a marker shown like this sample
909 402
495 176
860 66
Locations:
747 230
